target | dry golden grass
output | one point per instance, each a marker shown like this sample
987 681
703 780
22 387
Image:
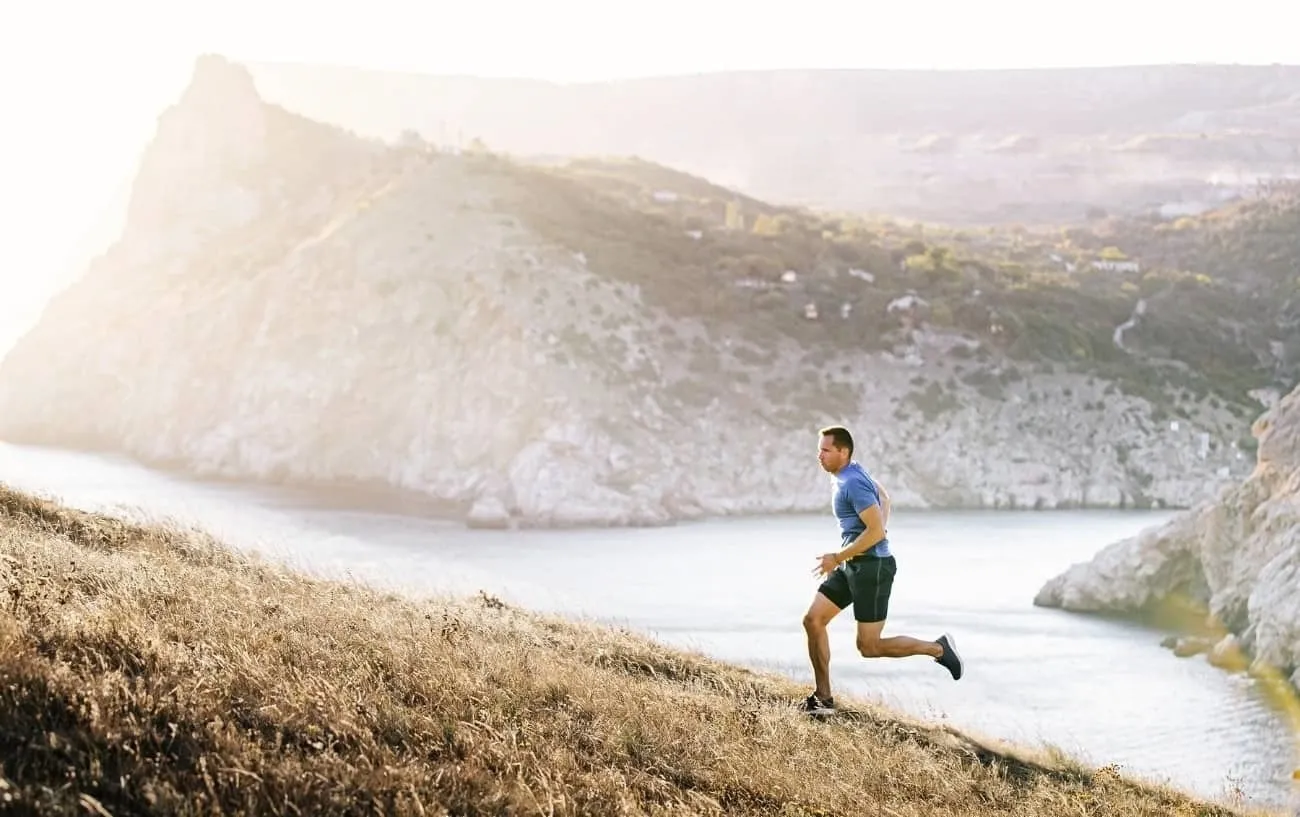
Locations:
150 671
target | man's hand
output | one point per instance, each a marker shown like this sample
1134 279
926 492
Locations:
826 563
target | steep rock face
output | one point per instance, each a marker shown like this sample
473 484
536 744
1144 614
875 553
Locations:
1238 556
290 302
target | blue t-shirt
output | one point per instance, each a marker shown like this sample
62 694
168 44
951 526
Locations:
856 491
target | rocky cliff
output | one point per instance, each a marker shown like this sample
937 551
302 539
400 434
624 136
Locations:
1236 557
291 302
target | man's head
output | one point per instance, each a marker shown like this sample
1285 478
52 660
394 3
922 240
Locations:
836 448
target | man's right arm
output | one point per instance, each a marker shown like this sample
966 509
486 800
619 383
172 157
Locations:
867 501
884 504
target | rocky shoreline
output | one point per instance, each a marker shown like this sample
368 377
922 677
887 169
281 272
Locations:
1233 561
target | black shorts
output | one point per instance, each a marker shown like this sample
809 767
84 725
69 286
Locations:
866 582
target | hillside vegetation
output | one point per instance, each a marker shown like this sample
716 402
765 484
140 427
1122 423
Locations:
147 670
1225 287
1209 297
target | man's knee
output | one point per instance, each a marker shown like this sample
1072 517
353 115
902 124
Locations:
869 633
813 621
820 613
870 647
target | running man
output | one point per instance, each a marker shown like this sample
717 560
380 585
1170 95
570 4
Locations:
861 573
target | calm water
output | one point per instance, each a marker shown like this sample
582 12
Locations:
737 589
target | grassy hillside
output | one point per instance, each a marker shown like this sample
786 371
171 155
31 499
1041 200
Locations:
1042 298
149 671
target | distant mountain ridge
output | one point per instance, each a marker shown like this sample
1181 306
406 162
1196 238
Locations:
1024 145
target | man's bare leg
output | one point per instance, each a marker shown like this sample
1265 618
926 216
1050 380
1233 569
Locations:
871 645
819 615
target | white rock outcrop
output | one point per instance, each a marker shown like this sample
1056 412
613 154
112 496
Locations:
291 302
1236 556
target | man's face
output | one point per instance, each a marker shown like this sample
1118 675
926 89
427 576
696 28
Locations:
831 458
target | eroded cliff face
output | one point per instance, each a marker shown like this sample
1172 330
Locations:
1237 556
290 302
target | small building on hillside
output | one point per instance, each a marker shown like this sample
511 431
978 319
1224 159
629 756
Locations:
1114 265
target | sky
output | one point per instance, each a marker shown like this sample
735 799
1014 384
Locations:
82 83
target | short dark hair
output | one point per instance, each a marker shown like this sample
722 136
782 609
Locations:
840 436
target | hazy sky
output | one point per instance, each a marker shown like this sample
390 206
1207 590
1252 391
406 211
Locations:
82 82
